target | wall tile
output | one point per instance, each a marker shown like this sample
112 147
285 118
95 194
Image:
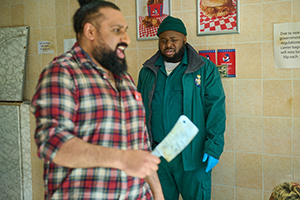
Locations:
145 54
49 34
15 2
276 169
132 31
228 88
248 92
219 39
248 61
250 134
62 33
268 18
189 5
73 7
131 57
296 137
34 37
47 13
296 11
189 19
250 26
33 68
296 73
229 134
5 16
46 59
32 13
249 194
176 5
249 170
153 43
4 2
17 19
224 172
30 90
72 33
244 2
220 192
62 12
277 98
297 169
221 46
127 9
278 136
296 99
267 195
269 70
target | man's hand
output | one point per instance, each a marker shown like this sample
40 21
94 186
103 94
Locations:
139 163
211 163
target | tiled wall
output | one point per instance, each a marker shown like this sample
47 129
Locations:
263 103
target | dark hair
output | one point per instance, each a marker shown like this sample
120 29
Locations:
88 11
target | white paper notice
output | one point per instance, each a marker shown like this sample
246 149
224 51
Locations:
287 45
45 47
68 44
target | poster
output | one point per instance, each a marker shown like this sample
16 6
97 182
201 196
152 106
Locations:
226 59
217 17
209 54
149 15
287 45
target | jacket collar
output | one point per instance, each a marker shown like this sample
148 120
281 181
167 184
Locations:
195 61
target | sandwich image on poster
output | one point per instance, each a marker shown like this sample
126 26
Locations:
217 8
178 138
217 16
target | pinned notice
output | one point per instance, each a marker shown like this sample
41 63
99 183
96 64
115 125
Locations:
287 45
45 47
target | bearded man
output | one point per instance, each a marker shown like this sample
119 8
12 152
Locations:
91 129
178 81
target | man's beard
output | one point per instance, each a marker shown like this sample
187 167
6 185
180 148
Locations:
176 57
108 59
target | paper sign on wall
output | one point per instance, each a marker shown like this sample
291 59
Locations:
68 44
287 45
45 47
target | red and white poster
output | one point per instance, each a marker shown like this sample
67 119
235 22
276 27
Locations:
217 17
149 15
226 57
209 54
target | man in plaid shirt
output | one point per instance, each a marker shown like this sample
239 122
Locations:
91 129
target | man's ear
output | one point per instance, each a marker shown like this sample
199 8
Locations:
89 31
184 39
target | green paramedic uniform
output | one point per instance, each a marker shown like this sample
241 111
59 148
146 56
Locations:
203 101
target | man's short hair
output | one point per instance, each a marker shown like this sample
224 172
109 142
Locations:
88 12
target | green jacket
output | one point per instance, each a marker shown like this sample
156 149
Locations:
203 103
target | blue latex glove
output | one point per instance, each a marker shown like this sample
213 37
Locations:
211 161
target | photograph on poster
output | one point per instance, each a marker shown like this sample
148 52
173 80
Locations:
217 17
149 15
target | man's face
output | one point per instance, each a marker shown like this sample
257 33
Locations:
111 41
172 45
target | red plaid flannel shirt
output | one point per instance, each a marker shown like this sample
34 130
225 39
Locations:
74 99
